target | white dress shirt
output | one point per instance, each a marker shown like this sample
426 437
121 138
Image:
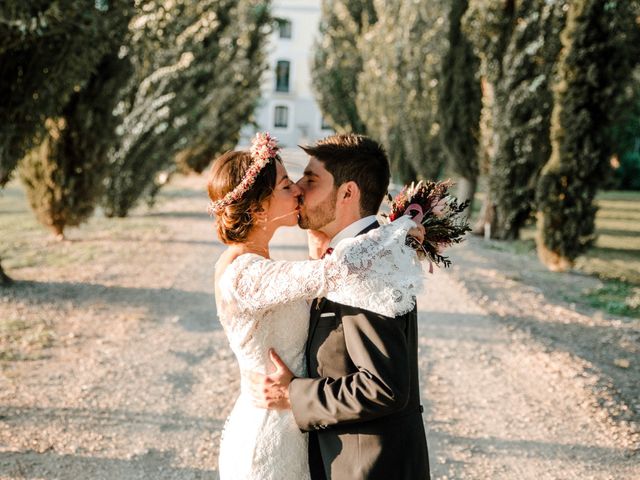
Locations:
352 230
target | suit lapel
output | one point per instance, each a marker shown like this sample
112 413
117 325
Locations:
318 304
314 317
369 228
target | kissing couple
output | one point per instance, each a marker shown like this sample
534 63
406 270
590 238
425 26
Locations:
328 347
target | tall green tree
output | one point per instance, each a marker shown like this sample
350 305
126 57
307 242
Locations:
488 26
64 176
197 70
460 104
522 113
518 43
600 47
379 106
337 61
398 87
48 50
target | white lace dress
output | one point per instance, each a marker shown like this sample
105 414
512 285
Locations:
264 304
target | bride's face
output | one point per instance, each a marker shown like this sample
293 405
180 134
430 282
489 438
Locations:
282 207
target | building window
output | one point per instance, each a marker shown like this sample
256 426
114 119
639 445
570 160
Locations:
282 76
281 117
284 27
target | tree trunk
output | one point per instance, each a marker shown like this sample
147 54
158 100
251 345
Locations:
550 259
4 278
467 191
58 231
486 224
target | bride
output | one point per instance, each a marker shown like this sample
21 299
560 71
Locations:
264 303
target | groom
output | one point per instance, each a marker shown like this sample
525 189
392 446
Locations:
361 402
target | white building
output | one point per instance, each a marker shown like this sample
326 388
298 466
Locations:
287 108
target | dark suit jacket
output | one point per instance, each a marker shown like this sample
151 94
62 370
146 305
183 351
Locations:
361 403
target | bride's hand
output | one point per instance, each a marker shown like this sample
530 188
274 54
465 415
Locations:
318 243
417 233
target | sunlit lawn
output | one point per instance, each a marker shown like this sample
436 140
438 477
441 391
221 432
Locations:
615 258
616 254
25 243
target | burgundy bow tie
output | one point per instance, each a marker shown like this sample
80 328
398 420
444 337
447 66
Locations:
329 251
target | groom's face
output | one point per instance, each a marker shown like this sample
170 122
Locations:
318 200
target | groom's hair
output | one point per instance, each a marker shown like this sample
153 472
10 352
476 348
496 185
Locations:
355 158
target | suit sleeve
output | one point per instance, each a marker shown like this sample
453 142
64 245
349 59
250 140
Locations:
378 347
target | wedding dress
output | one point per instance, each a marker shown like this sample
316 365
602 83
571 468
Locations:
264 304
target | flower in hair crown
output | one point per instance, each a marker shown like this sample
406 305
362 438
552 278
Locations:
264 147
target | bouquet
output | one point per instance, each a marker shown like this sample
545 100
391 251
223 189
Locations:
431 204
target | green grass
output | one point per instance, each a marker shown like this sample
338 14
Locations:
618 298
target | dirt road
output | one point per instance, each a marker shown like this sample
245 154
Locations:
501 404
137 379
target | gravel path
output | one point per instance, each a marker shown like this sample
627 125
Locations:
138 378
503 405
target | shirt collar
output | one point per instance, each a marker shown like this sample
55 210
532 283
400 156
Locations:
352 230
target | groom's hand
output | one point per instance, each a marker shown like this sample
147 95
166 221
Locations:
271 391
418 233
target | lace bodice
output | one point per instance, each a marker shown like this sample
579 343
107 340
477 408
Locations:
264 304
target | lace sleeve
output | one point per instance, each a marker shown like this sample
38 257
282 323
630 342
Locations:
374 264
383 275
256 283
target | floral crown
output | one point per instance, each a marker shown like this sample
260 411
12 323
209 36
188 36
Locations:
264 147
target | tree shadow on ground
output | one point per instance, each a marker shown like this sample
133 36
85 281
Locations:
495 447
152 465
615 252
194 311
94 418
599 345
452 326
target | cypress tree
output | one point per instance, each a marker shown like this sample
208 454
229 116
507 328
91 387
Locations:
376 103
399 85
337 61
423 41
64 176
488 26
460 103
518 46
600 47
48 50
522 113
197 69
236 98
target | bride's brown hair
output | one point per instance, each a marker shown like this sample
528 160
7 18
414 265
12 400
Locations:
238 219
